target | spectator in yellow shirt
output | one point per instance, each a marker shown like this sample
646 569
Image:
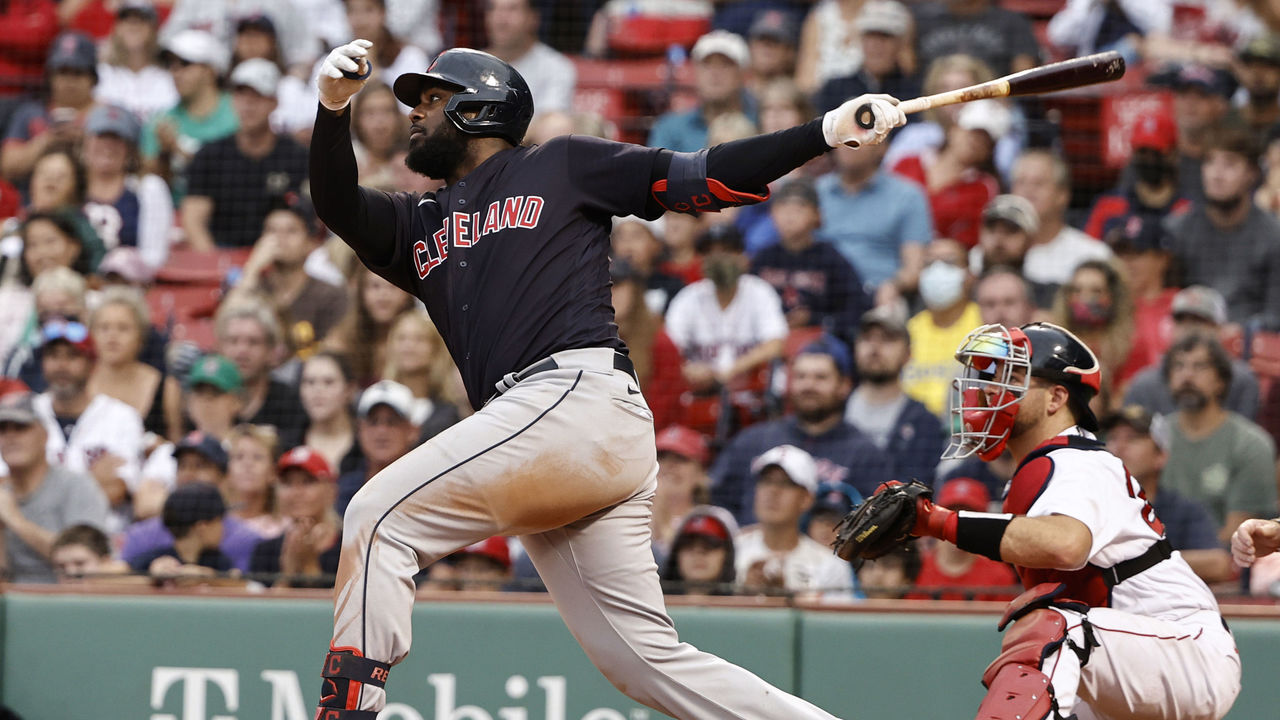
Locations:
936 331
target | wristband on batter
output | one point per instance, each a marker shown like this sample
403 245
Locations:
981 533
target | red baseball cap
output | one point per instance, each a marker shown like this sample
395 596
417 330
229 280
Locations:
706 526
306 459
684 442
1155 132
964 493
494 548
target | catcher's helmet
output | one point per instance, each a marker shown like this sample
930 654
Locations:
986 396
489 90
1061 358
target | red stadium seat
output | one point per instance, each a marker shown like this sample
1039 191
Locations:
205 267
1034 9
643 34
179 303
1264 358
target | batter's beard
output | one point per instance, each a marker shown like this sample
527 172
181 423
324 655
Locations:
437 155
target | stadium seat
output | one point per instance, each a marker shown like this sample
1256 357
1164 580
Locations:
204 267
1264 358
644 34
171 304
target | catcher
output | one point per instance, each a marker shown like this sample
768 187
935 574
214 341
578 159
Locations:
1113 624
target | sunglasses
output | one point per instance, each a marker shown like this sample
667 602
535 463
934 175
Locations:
69 330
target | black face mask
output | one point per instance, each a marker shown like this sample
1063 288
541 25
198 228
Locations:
437 155
1153 171
1226 205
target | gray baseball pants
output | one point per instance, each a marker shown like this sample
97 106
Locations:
566 461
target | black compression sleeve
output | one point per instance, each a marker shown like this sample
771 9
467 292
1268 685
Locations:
350 211
752 163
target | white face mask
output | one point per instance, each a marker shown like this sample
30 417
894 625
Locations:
941 284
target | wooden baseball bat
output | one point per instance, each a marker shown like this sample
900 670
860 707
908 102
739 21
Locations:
1074 73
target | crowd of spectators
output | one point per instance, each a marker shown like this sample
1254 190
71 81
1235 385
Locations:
796 353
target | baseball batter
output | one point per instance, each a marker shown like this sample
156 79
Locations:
1114 624
511 260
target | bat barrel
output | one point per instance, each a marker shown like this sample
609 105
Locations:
1074 73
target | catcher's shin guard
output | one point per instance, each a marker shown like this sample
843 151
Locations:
1017 688
345 672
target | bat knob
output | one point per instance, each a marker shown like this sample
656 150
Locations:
865 117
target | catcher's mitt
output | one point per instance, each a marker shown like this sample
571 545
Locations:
881 523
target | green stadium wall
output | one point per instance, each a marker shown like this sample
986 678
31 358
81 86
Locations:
73 657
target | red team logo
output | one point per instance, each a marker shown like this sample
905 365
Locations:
466 229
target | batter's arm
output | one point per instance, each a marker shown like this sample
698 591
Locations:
365 219
752 163
732 173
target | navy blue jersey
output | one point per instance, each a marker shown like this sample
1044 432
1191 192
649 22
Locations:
512 261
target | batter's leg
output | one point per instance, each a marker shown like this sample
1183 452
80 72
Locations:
602 576
548 452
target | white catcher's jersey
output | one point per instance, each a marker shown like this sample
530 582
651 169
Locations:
1074 475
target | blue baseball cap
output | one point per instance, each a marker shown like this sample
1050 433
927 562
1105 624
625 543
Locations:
204 445
833 348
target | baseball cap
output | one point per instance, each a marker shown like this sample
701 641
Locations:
833 348
113 120
1155 132
1013 209
1141 421
299 205
799 189
835 498
495 548
199 47
307 460
886 17
205 445
706 526
774 25
1134 233
258 74
1199 77
192 503
964 493
217 371
988 115
683 441
256 21
1263 48
796 463
887 318
126 263
1200 301
136 8
389 393
19 407
722 42
726 236
72 51
72 332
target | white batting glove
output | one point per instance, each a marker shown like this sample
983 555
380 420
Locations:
344 72
840 126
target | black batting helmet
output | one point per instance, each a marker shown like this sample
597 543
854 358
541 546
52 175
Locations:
489 90
1061 358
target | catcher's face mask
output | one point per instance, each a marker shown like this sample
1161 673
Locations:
984 400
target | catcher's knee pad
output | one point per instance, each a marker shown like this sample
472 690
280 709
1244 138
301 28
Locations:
1017 688
345 672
